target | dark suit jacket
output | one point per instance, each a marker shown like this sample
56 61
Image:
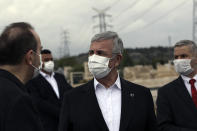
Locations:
17 112
46 100
175 108
81 111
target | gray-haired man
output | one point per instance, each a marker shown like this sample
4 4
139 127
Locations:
108 102
177 101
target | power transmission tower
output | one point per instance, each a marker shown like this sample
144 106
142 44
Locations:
102 19
195 20
64 48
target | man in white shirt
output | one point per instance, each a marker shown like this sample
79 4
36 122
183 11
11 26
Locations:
108 102
47 91
177 101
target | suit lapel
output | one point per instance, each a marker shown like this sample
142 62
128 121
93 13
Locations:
184 94
48 86
127 108
93 106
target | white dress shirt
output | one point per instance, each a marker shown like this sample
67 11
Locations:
187 84
52 82
109 100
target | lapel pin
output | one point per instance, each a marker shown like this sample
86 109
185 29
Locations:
132 94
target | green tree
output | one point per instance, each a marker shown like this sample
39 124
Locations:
126 60
69 61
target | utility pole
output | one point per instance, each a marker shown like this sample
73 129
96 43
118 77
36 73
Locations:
102 19
195 20
170 48
170 41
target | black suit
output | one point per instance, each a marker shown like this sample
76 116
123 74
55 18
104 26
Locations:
81 111
175 108
46 100
17 112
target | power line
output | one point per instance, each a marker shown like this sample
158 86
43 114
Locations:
115 3
156 3
129 7
86 39
164 15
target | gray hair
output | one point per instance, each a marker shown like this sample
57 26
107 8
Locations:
190 43
118 44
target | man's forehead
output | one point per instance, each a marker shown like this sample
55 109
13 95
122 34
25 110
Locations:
103 40
182 48
101 44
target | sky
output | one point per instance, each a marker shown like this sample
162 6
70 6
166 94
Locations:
140 23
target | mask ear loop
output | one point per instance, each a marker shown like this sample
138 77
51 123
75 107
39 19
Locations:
40 66
113 56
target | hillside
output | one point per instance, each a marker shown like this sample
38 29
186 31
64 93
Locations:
131 56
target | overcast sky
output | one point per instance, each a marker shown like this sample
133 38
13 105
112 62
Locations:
140 23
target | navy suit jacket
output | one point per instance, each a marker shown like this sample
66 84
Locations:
176 110
81 111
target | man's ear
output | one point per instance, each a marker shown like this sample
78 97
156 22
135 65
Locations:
118 59
29 57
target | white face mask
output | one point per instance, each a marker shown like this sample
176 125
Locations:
98 66
49 66
183 66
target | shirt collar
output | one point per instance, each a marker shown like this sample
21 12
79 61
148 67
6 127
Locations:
187 79
117 83
46 75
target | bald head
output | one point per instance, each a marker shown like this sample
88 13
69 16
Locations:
15 41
